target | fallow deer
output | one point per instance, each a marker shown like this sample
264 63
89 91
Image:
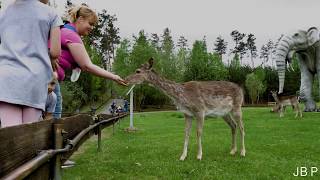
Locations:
199 99
283 101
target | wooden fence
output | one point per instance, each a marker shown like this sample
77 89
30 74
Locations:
37 150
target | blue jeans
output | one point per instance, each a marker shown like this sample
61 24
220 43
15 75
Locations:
58 110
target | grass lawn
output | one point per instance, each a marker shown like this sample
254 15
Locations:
274 149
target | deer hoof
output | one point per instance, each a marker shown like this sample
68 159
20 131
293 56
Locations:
199 157
183 157
233 151
243 153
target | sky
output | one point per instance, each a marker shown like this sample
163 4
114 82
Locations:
194 19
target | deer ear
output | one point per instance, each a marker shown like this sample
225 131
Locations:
150 62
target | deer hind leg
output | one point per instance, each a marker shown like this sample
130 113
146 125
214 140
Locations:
297 110
281 111
233 126
200 121
188 122
237 114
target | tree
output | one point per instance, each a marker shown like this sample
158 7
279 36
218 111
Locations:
182 42
167 44
196 67
254 86
122 64
122 61
142 50
110 37
182 57
216 69
155 41
220 46
240 46
251 45
242 50
266 52
168 61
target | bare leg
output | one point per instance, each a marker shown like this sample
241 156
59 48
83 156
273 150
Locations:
188 122
200 121
238 117
233 126
10 114
30 114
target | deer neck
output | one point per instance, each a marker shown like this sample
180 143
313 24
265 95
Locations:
172 89
276 98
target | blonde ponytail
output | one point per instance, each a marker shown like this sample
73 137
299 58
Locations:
83 11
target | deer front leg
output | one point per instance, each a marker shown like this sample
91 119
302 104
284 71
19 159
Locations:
200 121
188 122
281 110
233 126
238 117
297 109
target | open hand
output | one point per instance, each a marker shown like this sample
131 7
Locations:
120 81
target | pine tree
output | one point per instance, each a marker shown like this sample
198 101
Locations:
269 47
167 45
112 37
240 46
168 63
251 45
242 50
182 56
266 52
122 61
220 46
107 37
182 42
155 40
196 68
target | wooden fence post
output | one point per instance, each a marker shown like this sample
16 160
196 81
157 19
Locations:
99 138
58 143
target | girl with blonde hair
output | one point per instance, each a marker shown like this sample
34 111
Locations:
74 55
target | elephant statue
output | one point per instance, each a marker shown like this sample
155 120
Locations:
306 46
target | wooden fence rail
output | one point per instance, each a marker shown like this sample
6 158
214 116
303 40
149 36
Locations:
37 150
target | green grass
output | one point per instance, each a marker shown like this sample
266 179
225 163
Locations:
275 148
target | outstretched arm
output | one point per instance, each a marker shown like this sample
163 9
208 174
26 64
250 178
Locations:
81 56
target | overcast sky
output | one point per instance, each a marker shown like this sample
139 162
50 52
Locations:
194 19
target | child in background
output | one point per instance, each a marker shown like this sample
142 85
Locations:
51 100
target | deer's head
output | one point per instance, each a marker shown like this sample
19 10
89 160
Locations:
274 93
141 74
